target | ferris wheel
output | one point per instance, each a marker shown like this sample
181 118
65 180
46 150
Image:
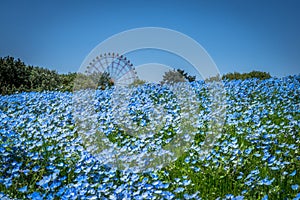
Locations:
118 67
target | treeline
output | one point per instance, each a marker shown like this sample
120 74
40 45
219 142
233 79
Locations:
173 76
241 76
15 76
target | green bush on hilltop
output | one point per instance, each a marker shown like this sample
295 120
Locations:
243 76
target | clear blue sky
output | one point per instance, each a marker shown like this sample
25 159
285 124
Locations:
239 35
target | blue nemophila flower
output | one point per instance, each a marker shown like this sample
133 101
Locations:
36 168
35 157
50 148
229 196
52 158
179 190
55 184
244 191
258 155
295 187
26 171
23 189
2 150
293 173
187 159
248 151
266 197
285 173
238 198
186 182
187 196
297 197
36 196
255 172
50 167
261 122
274 168
44 181
271 159
266 181
157 184
7 182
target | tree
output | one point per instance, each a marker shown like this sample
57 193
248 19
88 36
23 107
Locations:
186 76
172 77
105 81
93 80
13 75
216 78
243 76
67 81
178 75
138 82
16 76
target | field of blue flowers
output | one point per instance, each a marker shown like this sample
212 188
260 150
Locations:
257 156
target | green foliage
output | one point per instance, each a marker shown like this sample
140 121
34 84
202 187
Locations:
172 77
67 81
43 79
15 76
176 76
138 82
186 76
243 76
213 78
104 80
93 81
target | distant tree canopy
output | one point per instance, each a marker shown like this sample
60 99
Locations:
240 76
214 78
15 76
186 76
175 76
138 82
243 76
67 81
105 81
172 76
95 80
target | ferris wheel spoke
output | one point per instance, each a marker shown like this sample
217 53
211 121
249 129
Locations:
94 67
125 76
116 63
121 70
110 67
106 63
113 66
125 81
102 65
